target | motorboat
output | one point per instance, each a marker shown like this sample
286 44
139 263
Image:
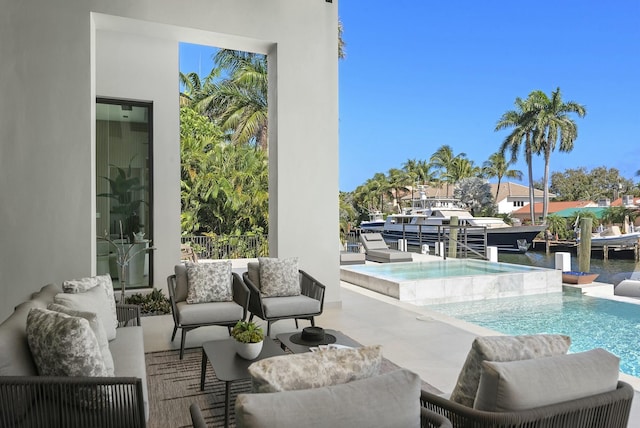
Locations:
613 236
428 221
375 222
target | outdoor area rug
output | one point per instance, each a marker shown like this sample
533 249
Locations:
174 384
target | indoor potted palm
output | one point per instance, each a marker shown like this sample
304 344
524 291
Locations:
248 339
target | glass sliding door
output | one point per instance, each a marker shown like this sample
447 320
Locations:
124 189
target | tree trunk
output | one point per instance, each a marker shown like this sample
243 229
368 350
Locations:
545 201
531 194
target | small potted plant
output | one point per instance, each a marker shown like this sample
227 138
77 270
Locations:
249 338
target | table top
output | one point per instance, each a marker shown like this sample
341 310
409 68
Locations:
341 339
230 366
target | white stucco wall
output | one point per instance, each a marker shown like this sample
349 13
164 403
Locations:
51 71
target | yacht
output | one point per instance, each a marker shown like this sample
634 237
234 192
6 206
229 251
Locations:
428 221
375 222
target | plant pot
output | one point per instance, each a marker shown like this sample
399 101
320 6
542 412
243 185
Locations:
248 351
578 277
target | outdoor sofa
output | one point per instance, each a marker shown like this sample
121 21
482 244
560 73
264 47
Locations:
28 399
377 250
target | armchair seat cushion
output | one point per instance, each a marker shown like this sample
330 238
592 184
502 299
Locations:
208 313
128 352
276 307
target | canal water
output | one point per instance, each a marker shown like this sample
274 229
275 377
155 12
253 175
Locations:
611 271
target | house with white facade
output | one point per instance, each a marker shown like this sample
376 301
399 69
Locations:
59 57
513 196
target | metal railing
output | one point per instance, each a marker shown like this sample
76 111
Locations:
228 247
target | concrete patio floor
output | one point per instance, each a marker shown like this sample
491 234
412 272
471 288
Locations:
430 344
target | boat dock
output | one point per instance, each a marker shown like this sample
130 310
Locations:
605 252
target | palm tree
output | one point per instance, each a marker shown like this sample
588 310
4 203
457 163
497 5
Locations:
553 124
497 166
522 120
399 182
461 168
443 160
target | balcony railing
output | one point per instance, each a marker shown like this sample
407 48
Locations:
228 247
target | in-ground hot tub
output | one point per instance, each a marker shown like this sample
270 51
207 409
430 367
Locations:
452 280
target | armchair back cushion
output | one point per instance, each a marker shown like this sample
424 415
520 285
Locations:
253 270
279 277
503 348
209 282
388 400
527 384
315 369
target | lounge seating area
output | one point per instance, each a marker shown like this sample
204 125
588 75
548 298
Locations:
377 250
488 392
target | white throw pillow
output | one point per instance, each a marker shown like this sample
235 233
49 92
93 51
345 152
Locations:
96 326
83 284
209 282
279 277
93 300
63 345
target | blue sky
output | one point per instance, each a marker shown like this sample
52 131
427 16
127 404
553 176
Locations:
421 74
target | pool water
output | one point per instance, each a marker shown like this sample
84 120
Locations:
439 269
590 322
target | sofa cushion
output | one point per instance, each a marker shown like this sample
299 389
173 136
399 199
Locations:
84 284
527 384
209 282
503 348
63 345
93 300
315 369
279 277
388 400
96 327
128 355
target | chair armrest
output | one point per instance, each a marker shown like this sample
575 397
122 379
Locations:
311 287
255 299
429 419
128 315
196 416
71 401
240 293
611 409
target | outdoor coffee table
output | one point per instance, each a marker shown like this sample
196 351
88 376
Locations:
341 339
229 366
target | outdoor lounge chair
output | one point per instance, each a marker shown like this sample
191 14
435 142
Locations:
377 250
189 316
308 304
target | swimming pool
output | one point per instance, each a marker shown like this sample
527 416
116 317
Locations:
452 280
591 322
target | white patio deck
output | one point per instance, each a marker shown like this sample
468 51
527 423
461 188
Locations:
430 344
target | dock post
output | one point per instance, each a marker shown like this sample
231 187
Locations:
605 252
453 236
584 255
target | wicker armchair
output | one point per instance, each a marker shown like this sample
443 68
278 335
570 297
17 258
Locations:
271 309
61 402
189 316
607 410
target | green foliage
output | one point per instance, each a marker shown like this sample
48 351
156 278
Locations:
152 303
558 226
224 187
616 215
247 332
573 221
580 184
